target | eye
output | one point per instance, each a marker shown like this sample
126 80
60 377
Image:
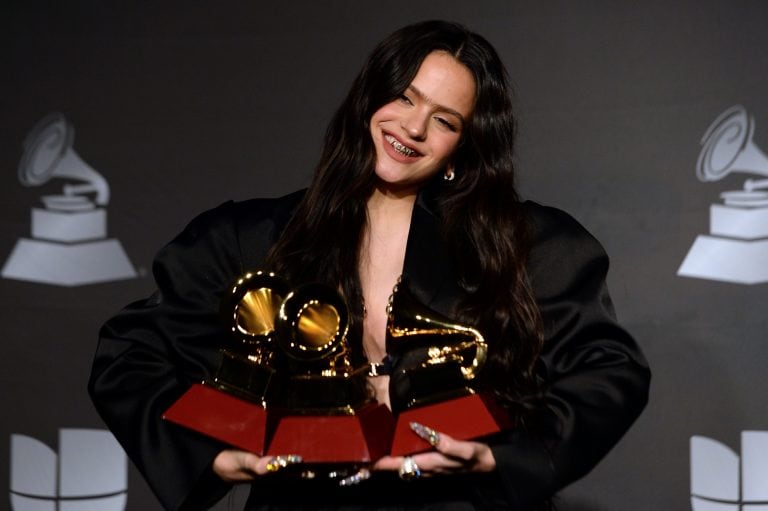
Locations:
405 99
447 124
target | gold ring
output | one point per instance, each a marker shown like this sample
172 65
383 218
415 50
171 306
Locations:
409 470
279 462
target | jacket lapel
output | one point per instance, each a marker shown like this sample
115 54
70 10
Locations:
429 269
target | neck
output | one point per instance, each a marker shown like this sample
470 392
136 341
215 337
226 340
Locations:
386 204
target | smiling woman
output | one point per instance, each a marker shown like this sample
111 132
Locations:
416 181
416 134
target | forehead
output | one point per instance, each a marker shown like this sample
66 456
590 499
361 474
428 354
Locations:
446 83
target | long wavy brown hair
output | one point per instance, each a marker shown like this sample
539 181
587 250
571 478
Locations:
482 216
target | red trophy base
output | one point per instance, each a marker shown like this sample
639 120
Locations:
463 418
222 416
362 437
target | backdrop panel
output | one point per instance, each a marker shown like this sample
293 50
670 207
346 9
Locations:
177 107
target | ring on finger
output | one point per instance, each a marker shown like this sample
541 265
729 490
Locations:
279 462
409 470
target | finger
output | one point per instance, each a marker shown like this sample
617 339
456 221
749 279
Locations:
391 463
428 463
438 463
444 443
458 449
247 462
235 466
471 456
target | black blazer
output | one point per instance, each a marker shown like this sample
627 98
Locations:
594 377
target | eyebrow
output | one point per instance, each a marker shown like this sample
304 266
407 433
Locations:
444 108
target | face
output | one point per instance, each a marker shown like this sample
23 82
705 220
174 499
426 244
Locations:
416 135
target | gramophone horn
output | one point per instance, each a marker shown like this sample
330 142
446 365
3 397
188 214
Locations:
253 304
727 147
48 153
412 324
313 323
250 309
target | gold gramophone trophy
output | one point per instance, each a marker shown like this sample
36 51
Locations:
232 407
326 411
437 359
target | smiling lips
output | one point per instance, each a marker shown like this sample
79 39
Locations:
399 147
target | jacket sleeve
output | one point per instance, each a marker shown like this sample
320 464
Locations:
152 351
593 378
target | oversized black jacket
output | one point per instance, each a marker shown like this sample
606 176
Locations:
594 377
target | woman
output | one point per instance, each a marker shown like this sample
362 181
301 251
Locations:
416 179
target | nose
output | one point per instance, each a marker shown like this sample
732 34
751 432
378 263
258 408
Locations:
415 124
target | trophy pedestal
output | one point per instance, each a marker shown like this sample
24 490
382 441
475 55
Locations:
737 247
738 222
222 416
69 226
65 264
362 437
727 260
463 418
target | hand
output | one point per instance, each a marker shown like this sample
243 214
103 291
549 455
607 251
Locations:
450 456
234 466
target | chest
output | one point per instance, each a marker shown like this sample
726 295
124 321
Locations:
381 264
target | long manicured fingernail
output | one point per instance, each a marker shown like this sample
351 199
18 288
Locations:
356 478
430 435
279 462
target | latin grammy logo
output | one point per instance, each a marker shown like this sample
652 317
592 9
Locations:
736 249
69 244
721 480
89 472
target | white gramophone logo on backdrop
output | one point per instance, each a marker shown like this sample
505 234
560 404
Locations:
90 472
69 245
736 250
720 481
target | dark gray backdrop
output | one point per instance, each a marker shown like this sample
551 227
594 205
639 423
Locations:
183 105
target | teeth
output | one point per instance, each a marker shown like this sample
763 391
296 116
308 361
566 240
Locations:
400 148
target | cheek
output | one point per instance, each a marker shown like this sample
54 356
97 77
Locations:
374 127
447 147
382 114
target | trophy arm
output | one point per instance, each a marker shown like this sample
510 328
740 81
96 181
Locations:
481 352
262 355
751 185
339 364
449 352
456 353
410 323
